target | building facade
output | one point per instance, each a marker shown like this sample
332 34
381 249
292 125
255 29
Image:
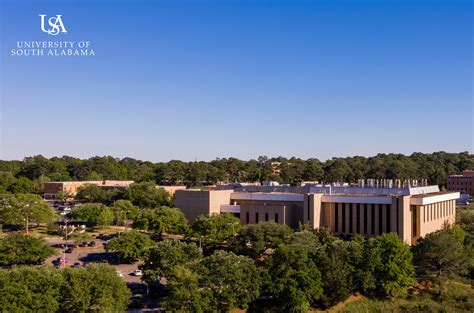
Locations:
463 183
51 189
412 212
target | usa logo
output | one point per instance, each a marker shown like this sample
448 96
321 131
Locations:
55 24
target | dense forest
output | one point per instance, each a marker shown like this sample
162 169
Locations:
32 171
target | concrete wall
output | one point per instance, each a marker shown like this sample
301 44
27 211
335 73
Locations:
289 213
435 216
201 202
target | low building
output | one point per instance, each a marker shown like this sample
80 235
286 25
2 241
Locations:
172 189
463 183
412 212
51 189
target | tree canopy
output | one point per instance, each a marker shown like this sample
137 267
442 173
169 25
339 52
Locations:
130 246
18 249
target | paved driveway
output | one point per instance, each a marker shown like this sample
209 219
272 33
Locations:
86 255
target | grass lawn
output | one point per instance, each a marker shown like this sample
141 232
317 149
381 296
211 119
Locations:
457 297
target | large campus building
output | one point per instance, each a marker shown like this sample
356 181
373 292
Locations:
51 189
463 183
369 209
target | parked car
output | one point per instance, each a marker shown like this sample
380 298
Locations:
76 264
69 250
137 273
119 274
91 244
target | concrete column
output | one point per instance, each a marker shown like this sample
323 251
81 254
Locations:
393 215
376 206
369 219
347 221
332 209
340 207
405 219
354 218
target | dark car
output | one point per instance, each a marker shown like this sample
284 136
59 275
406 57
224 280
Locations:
76 264
92 244
69 250
83 244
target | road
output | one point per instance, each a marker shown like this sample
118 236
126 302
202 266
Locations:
91 254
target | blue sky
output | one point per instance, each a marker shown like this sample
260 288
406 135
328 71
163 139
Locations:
204 79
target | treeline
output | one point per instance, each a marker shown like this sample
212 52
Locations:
29 174
268 266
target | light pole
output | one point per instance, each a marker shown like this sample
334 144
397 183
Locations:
64 250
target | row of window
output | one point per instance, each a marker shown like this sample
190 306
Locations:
257 219
438 210
375 218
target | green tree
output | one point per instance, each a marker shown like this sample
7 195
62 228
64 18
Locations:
184 292
30 289
162 258
91 193
255 239
392 264
95 288
216 228
162 220
22 185
123 210
440 256
17 249
295 279
130 246
93 213
24 209
228 281
147 195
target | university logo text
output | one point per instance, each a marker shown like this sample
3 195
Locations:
55 24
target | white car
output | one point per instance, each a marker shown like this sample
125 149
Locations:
119 274
137 273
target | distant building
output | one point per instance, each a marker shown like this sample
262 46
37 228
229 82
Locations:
463 183
172 189
412 212
71 187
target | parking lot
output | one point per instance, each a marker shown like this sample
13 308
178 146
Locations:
85 255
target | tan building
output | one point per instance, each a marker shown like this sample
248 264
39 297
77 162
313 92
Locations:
71 187
412 212
172 189
463 183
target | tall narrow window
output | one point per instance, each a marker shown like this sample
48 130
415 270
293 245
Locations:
380 218
365 218
256 218
351 217
266 217
343 218
247 218
372 220
276 218
358 218
336 217
388 207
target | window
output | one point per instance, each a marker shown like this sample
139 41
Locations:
247 217
276 218
358 218
343 218
381 218
365 218
266 217
372 227
336 218
351 217
256 218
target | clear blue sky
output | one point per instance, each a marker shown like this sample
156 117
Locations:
205 79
